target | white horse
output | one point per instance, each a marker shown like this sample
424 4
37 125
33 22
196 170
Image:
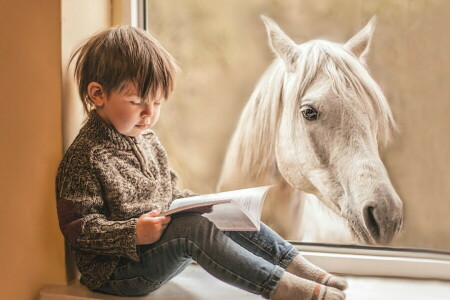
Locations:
313 124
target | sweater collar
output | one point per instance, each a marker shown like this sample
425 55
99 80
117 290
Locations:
108 133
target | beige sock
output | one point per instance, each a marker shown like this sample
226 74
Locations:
291 287
304 269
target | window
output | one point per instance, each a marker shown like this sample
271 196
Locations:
222 50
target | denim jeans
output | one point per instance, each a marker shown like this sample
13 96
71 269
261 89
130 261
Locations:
253 261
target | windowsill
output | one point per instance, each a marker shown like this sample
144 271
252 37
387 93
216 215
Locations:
372 273
355 260
192 283
195 283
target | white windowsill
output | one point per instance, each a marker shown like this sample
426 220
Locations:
380 275
379 262
195 283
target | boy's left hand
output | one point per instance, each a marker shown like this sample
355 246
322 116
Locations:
150 226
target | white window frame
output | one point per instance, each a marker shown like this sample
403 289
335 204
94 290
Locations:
134 13
378 261
352 260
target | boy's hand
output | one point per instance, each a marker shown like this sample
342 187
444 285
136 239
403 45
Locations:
149 227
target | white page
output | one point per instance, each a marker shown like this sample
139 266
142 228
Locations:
196 199
230 216
192 206
243 213
249 199
191 200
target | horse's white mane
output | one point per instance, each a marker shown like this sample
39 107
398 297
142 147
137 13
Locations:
252 149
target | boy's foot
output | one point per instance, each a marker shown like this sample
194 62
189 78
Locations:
304 269
293 287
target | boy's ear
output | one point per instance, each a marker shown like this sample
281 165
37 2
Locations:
96 93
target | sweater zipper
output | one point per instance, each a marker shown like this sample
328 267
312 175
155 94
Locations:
134 139
140 157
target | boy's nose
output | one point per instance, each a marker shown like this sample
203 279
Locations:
148 110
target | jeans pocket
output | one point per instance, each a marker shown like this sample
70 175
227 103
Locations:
137 286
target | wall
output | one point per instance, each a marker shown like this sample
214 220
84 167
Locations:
80 20
30 80
35 39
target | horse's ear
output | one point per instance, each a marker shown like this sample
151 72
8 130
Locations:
359 44
281 44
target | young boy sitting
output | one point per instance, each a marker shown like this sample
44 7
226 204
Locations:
114 180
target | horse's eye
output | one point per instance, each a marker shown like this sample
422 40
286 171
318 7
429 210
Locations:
310 113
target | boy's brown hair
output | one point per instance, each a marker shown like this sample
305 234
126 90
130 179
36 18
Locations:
121 55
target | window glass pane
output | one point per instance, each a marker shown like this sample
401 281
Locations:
222 49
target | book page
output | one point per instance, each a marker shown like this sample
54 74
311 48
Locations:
192 201
233 210
193 206
230 216
250 199
196 200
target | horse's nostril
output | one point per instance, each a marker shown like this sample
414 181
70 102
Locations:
371 223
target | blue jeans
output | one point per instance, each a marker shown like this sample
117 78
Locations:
253 261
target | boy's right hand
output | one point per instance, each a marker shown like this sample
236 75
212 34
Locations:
149 227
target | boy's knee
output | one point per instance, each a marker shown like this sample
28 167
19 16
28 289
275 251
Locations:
190 219
192 223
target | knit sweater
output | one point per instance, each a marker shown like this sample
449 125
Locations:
105 181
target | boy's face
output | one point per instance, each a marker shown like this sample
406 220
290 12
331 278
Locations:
125 110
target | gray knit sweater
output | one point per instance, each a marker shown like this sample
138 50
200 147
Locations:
105 181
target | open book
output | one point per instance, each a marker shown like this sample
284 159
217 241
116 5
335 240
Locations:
238 210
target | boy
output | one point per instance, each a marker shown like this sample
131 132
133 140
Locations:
114 180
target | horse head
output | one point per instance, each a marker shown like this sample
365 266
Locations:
332 118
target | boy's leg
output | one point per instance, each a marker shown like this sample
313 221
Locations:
303 268
267 244
193 237
130 279
273 248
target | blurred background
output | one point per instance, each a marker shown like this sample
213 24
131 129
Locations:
222 50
